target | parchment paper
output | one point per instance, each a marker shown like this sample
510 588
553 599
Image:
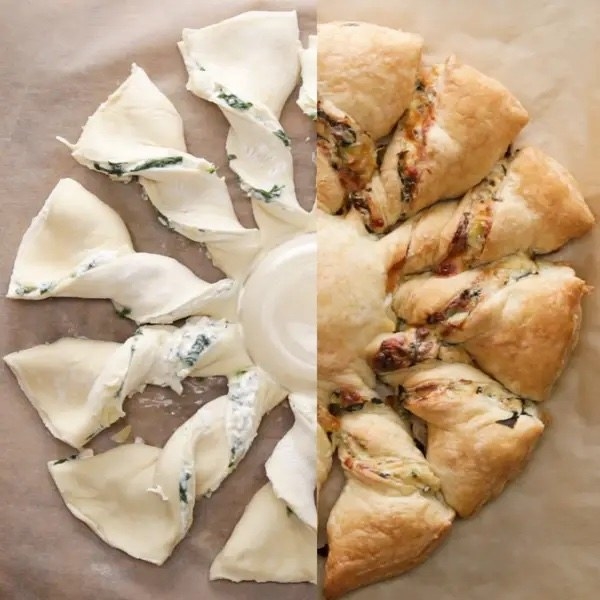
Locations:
59 60
541 538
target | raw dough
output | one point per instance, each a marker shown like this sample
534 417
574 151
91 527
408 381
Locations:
250 82
78 386
140 499
78 247
137 132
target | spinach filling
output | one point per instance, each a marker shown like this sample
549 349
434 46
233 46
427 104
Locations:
60 461
201 343
283 136
183 486
463 303
119 169
123 312
25 290
233 101
266 195
409 178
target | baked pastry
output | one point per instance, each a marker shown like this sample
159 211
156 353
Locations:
478 434
367 71
528 202
376 81
518 318
389 516
450 311
458 125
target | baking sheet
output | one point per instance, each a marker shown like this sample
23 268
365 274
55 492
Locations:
541 538
59 61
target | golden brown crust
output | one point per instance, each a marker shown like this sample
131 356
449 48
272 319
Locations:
479 436
375 536
539 210
350 297
388 518
534 335
324 456
472 121
517 318
330 193
528 203
367 71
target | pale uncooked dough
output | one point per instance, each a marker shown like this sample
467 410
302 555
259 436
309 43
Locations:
137 132
307 99
269 543
275 539
79 247
136 497
250 82
140 499
78 386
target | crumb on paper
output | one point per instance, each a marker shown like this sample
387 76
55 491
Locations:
139 440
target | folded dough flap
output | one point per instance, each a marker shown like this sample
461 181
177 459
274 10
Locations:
73 229
57 379
140 499
351 151
390 515
324 456
109 493
368 71
459 123
524 336
307 97
527 202
252 394
77 246
138 133
517 318
152 288
257 146
269 543
78 386
479 435
291 468
261 73
135 122
537 208
331 196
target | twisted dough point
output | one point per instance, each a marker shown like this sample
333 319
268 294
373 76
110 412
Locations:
138 133
367 71
78 247
528 203
519 319
448 147
389 516
479 436
275 538
97 377
251 99
140 499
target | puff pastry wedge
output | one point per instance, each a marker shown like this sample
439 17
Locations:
439 327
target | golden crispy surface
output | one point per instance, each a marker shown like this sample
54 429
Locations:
367 71
441 300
